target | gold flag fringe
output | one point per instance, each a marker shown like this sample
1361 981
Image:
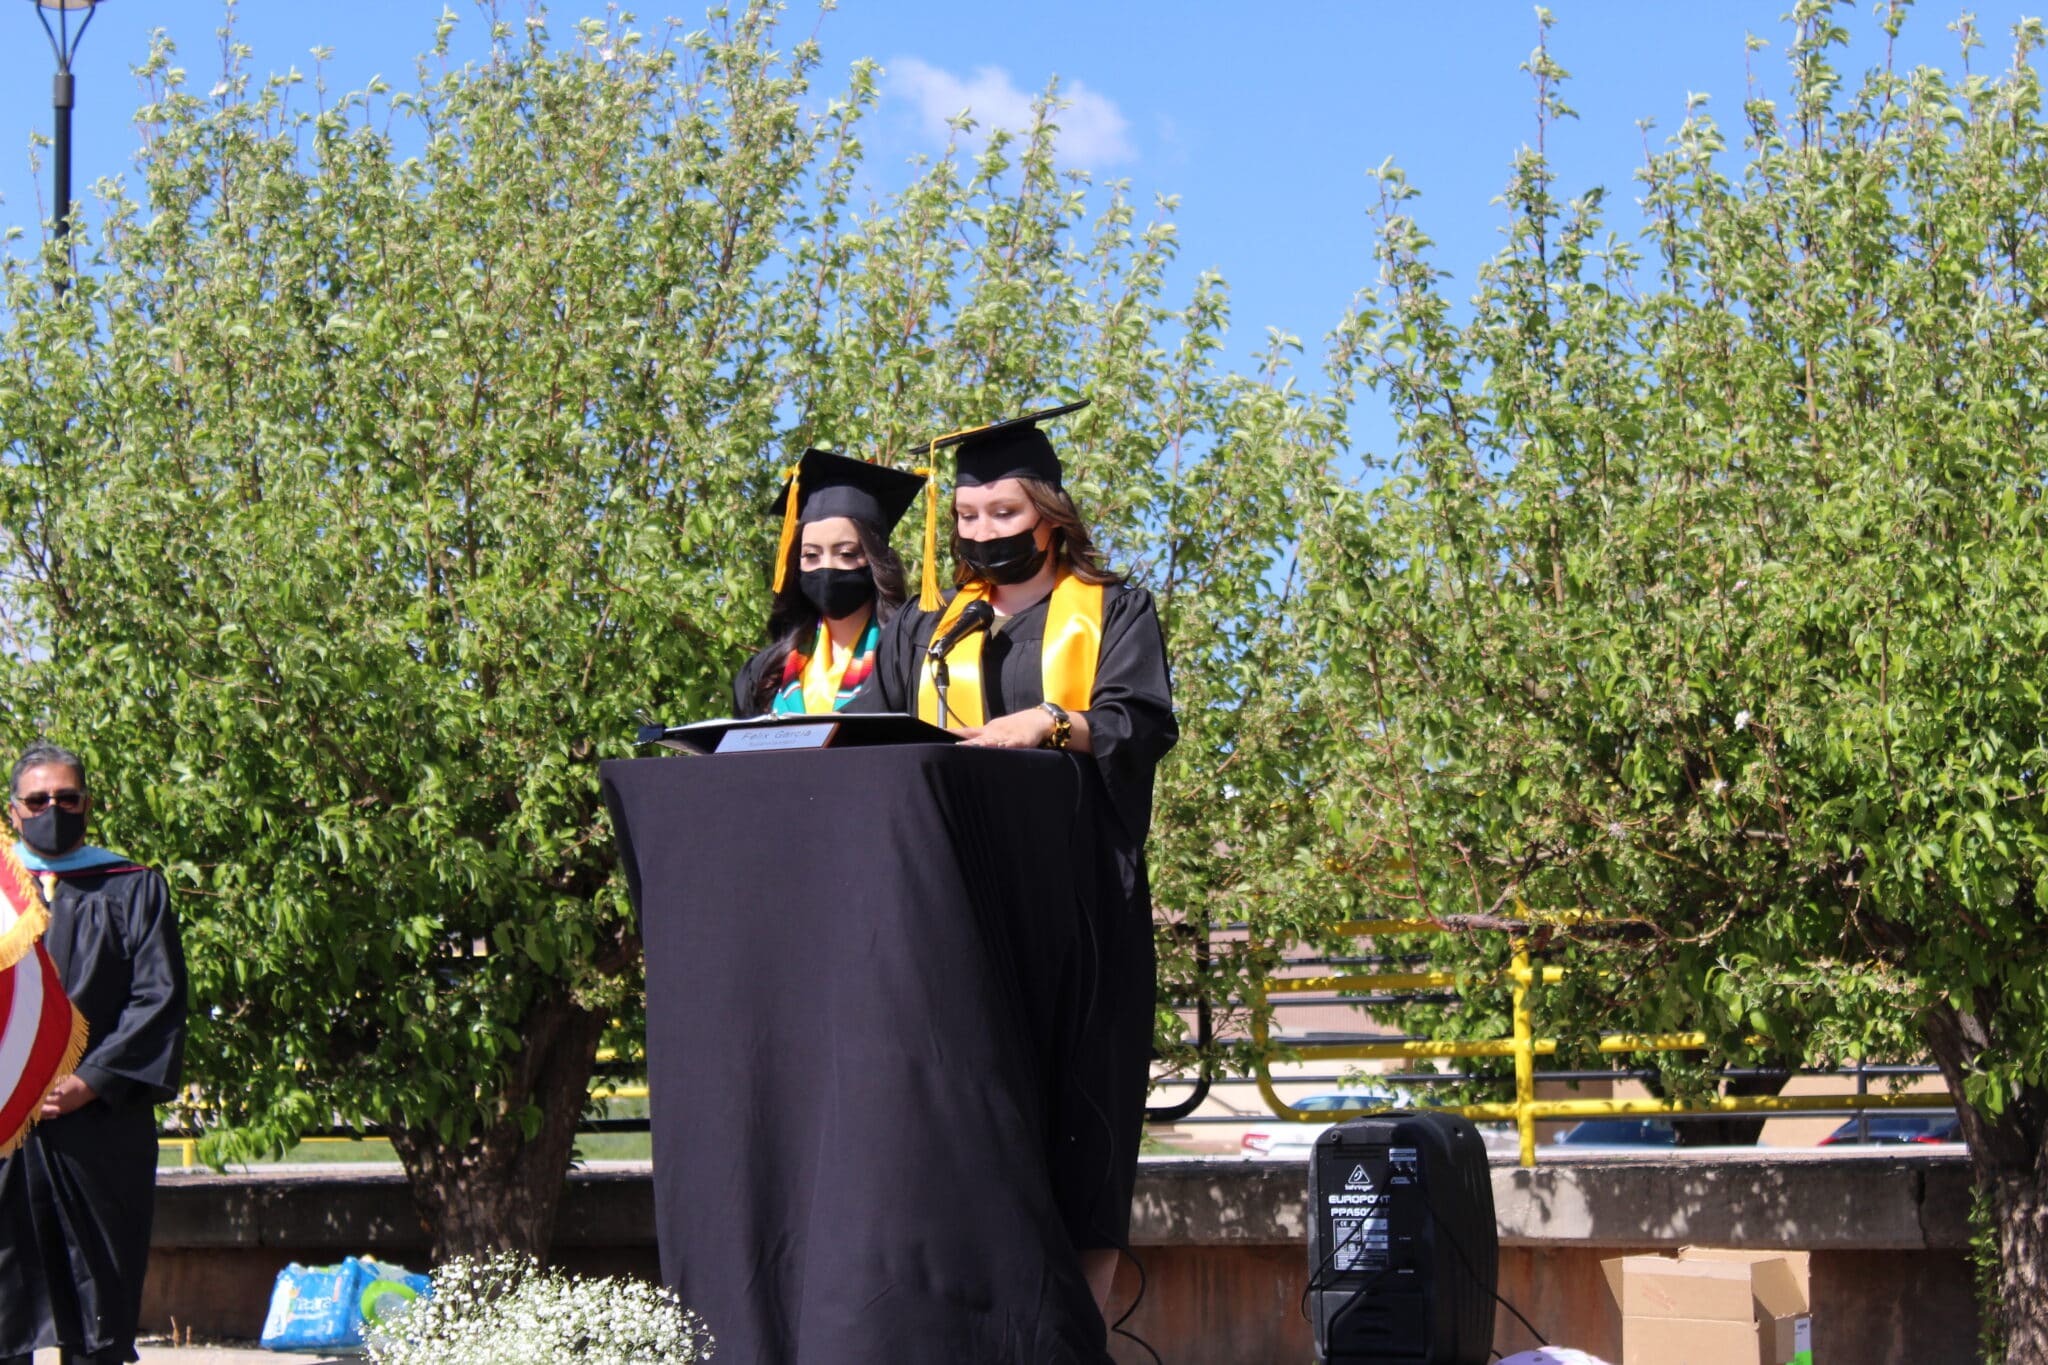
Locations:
31 921
75 1046
74 1052
22 936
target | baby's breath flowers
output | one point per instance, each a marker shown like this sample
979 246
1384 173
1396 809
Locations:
506 1309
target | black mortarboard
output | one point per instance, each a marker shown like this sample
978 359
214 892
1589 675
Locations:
822 484
1011 449
831 485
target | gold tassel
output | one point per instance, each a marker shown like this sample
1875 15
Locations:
74 1050
788 539
31 921
928 593
21 936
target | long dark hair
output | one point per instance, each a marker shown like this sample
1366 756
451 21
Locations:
793 621
1072 547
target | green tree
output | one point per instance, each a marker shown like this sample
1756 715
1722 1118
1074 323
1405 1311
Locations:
393 451
1702 596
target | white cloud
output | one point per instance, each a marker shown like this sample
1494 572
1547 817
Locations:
1093 131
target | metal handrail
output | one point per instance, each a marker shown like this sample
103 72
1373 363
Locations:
1522 1045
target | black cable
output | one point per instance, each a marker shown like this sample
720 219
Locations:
1312 1286
1358 1295
1362 1290
1125 1316
1450 1239
1465 1261
1116 1328
1094 977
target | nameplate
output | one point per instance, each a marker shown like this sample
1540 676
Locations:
768 739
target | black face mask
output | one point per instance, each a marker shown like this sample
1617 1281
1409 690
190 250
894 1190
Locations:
838 593
1006 559
52 831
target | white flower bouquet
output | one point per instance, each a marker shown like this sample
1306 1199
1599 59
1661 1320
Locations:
506 1309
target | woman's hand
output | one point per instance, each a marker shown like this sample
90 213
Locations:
1018 730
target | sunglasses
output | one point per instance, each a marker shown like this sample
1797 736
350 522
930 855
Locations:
70 799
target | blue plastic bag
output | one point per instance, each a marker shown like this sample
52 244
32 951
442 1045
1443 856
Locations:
326 1307
316 1307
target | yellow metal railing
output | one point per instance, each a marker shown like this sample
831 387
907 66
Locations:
1525 1110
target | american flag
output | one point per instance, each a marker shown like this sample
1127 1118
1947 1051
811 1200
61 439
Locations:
42 1034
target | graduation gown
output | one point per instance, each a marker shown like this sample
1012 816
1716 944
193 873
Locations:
1131 727
76 1200
746 684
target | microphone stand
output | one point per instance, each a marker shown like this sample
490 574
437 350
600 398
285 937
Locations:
942 645
942 677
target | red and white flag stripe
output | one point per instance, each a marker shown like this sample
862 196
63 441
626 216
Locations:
42 1034
34 1042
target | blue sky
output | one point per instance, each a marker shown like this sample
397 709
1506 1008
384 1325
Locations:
1264 118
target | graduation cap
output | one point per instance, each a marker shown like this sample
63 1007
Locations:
1010 449
823 484
1013 448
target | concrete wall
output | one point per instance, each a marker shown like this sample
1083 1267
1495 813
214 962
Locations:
1224 1245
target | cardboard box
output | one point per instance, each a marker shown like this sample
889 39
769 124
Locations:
1711 1307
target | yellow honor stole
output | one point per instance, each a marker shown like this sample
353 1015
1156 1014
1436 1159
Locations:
826 669
1073 643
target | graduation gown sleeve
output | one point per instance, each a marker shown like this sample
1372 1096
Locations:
746 686
138 1034
1130 713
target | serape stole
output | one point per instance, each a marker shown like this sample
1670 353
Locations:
826 679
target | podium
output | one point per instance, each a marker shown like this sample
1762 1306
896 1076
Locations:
898 1023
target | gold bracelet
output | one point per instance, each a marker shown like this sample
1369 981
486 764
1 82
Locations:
1062 725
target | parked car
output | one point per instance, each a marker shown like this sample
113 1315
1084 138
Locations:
1281 1141
1889 1130
1598 1134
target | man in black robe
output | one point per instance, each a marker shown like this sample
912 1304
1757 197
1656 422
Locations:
76 1199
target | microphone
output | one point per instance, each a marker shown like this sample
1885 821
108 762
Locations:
976 615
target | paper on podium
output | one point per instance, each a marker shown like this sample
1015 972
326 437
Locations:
839 730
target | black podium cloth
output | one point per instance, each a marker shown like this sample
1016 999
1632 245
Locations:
898 1024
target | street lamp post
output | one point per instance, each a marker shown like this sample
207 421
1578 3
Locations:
64 41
